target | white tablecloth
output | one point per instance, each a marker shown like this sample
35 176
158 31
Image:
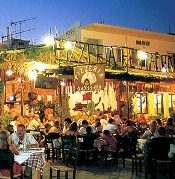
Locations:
23 156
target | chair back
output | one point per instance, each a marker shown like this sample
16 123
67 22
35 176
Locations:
67 142
7 160
87 143
129 143
52 137
73 155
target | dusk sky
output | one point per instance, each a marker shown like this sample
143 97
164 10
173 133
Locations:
156 15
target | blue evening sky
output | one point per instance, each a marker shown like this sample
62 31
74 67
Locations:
156 15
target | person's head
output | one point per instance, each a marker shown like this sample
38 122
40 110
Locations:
15 118
73 126
111 121
84 123
159 122
124 119
162 131
88 129
47 126
56 123
4 139
153 126
67 122
106 132
116 116
170 121
98 127
21 130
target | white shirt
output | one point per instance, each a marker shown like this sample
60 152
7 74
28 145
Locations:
33 124
109 127
82 130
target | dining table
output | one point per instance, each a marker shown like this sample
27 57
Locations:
34 158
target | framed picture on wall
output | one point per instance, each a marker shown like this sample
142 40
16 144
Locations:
46 82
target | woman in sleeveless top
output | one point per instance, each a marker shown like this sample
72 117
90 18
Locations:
5 144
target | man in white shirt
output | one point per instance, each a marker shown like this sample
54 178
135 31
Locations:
34 124
21 137
82 130
111 126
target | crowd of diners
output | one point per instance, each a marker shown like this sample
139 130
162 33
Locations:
109 127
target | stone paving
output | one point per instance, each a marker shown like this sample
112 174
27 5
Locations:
101 172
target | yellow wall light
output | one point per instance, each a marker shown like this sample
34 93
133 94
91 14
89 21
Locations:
32 74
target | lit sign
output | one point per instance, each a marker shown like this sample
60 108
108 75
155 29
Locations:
89 77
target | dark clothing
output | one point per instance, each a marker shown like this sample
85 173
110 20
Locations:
160 147
88 141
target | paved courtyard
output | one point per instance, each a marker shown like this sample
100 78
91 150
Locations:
102 172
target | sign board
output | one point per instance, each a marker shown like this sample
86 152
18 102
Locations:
89 77
72 34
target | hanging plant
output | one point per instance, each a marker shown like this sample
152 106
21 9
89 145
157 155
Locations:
1 87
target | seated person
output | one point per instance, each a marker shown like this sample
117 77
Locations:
128 127
169 126
142 119
5 144
21 136
150 133
55 128
111 126
72 130
34 124
110 140
88 139
99 129
41 140
160 145
82 130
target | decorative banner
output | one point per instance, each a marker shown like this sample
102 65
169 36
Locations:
87 96
89 77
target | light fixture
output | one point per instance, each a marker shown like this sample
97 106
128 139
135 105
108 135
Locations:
142 55
32 74
12 98
9 72
165 69
49 40
68 45
19 80
63 83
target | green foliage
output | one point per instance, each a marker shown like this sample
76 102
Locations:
91 108
5 119
1 87
32 52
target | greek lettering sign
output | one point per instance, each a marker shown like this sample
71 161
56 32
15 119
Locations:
72 34
89 77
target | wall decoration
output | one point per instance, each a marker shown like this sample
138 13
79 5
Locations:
89 77
46 82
